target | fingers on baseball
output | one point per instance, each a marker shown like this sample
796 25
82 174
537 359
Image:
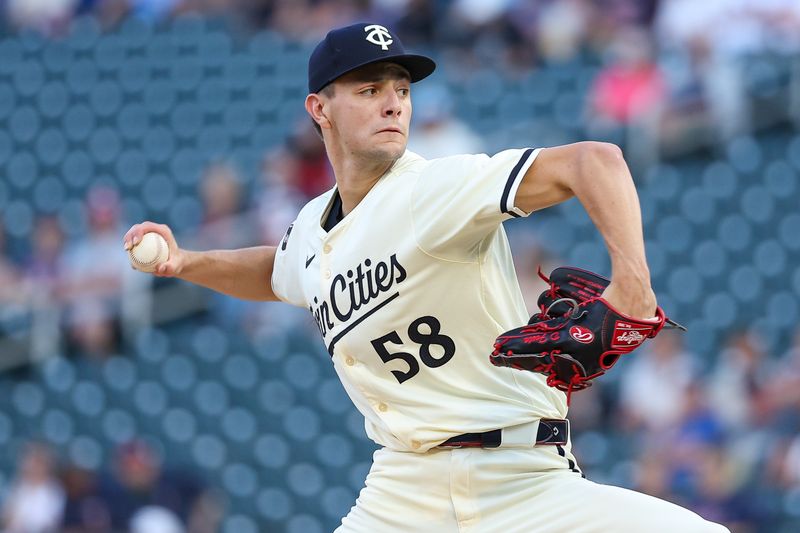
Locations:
134 235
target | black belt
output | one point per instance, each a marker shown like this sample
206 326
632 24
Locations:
551 431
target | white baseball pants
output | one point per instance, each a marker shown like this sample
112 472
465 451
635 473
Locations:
503 490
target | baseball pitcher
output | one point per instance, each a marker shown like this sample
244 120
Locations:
405 267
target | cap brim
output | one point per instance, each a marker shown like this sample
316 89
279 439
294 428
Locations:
419 67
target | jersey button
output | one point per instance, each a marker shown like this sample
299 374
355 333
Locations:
350 361
327 274
327 248
415 444
383 407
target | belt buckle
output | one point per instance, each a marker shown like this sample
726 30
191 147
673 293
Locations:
554 436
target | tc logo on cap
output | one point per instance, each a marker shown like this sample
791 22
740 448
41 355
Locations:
379 35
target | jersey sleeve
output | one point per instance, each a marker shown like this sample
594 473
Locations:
286 283
458 201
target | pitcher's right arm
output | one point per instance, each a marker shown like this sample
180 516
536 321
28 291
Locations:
244 273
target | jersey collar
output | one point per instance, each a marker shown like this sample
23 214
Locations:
332 213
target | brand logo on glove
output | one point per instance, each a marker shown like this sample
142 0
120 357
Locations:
631 337
581 334
626 335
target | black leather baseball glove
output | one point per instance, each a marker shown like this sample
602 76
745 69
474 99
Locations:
577 336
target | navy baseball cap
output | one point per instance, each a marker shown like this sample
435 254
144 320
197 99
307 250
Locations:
348 48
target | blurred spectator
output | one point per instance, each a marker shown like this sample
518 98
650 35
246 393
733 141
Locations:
50 17
717 495
631 86
437 133
9 273
309 172
784 391
790 465
224 224
85 510
610 15
738 392
44 266
418 22
142 495
691 439
531 257
255 13
94 270
779 23
480 12
627 99
630 12
704 44
153 519
160 9
654 388
652 474
308 19
279 200
44 280
560 30
35 500
12 300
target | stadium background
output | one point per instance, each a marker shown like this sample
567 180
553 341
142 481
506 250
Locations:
121 396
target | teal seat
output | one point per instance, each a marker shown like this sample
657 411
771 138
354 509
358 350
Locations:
720 180
274 504
52 99
735 232
685 285
305 523
709 258
301 424
745 154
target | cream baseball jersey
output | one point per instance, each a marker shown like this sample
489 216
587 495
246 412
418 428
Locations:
409 291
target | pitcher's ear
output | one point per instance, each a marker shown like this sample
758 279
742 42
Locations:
316 108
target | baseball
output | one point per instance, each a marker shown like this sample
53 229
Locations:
149 253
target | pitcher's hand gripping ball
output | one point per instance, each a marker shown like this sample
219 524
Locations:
577 336
149 253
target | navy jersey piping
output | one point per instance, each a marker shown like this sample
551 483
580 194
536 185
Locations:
510 182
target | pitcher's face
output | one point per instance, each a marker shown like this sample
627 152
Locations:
369 110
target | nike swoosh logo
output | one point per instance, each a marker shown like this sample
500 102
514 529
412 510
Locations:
309 259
